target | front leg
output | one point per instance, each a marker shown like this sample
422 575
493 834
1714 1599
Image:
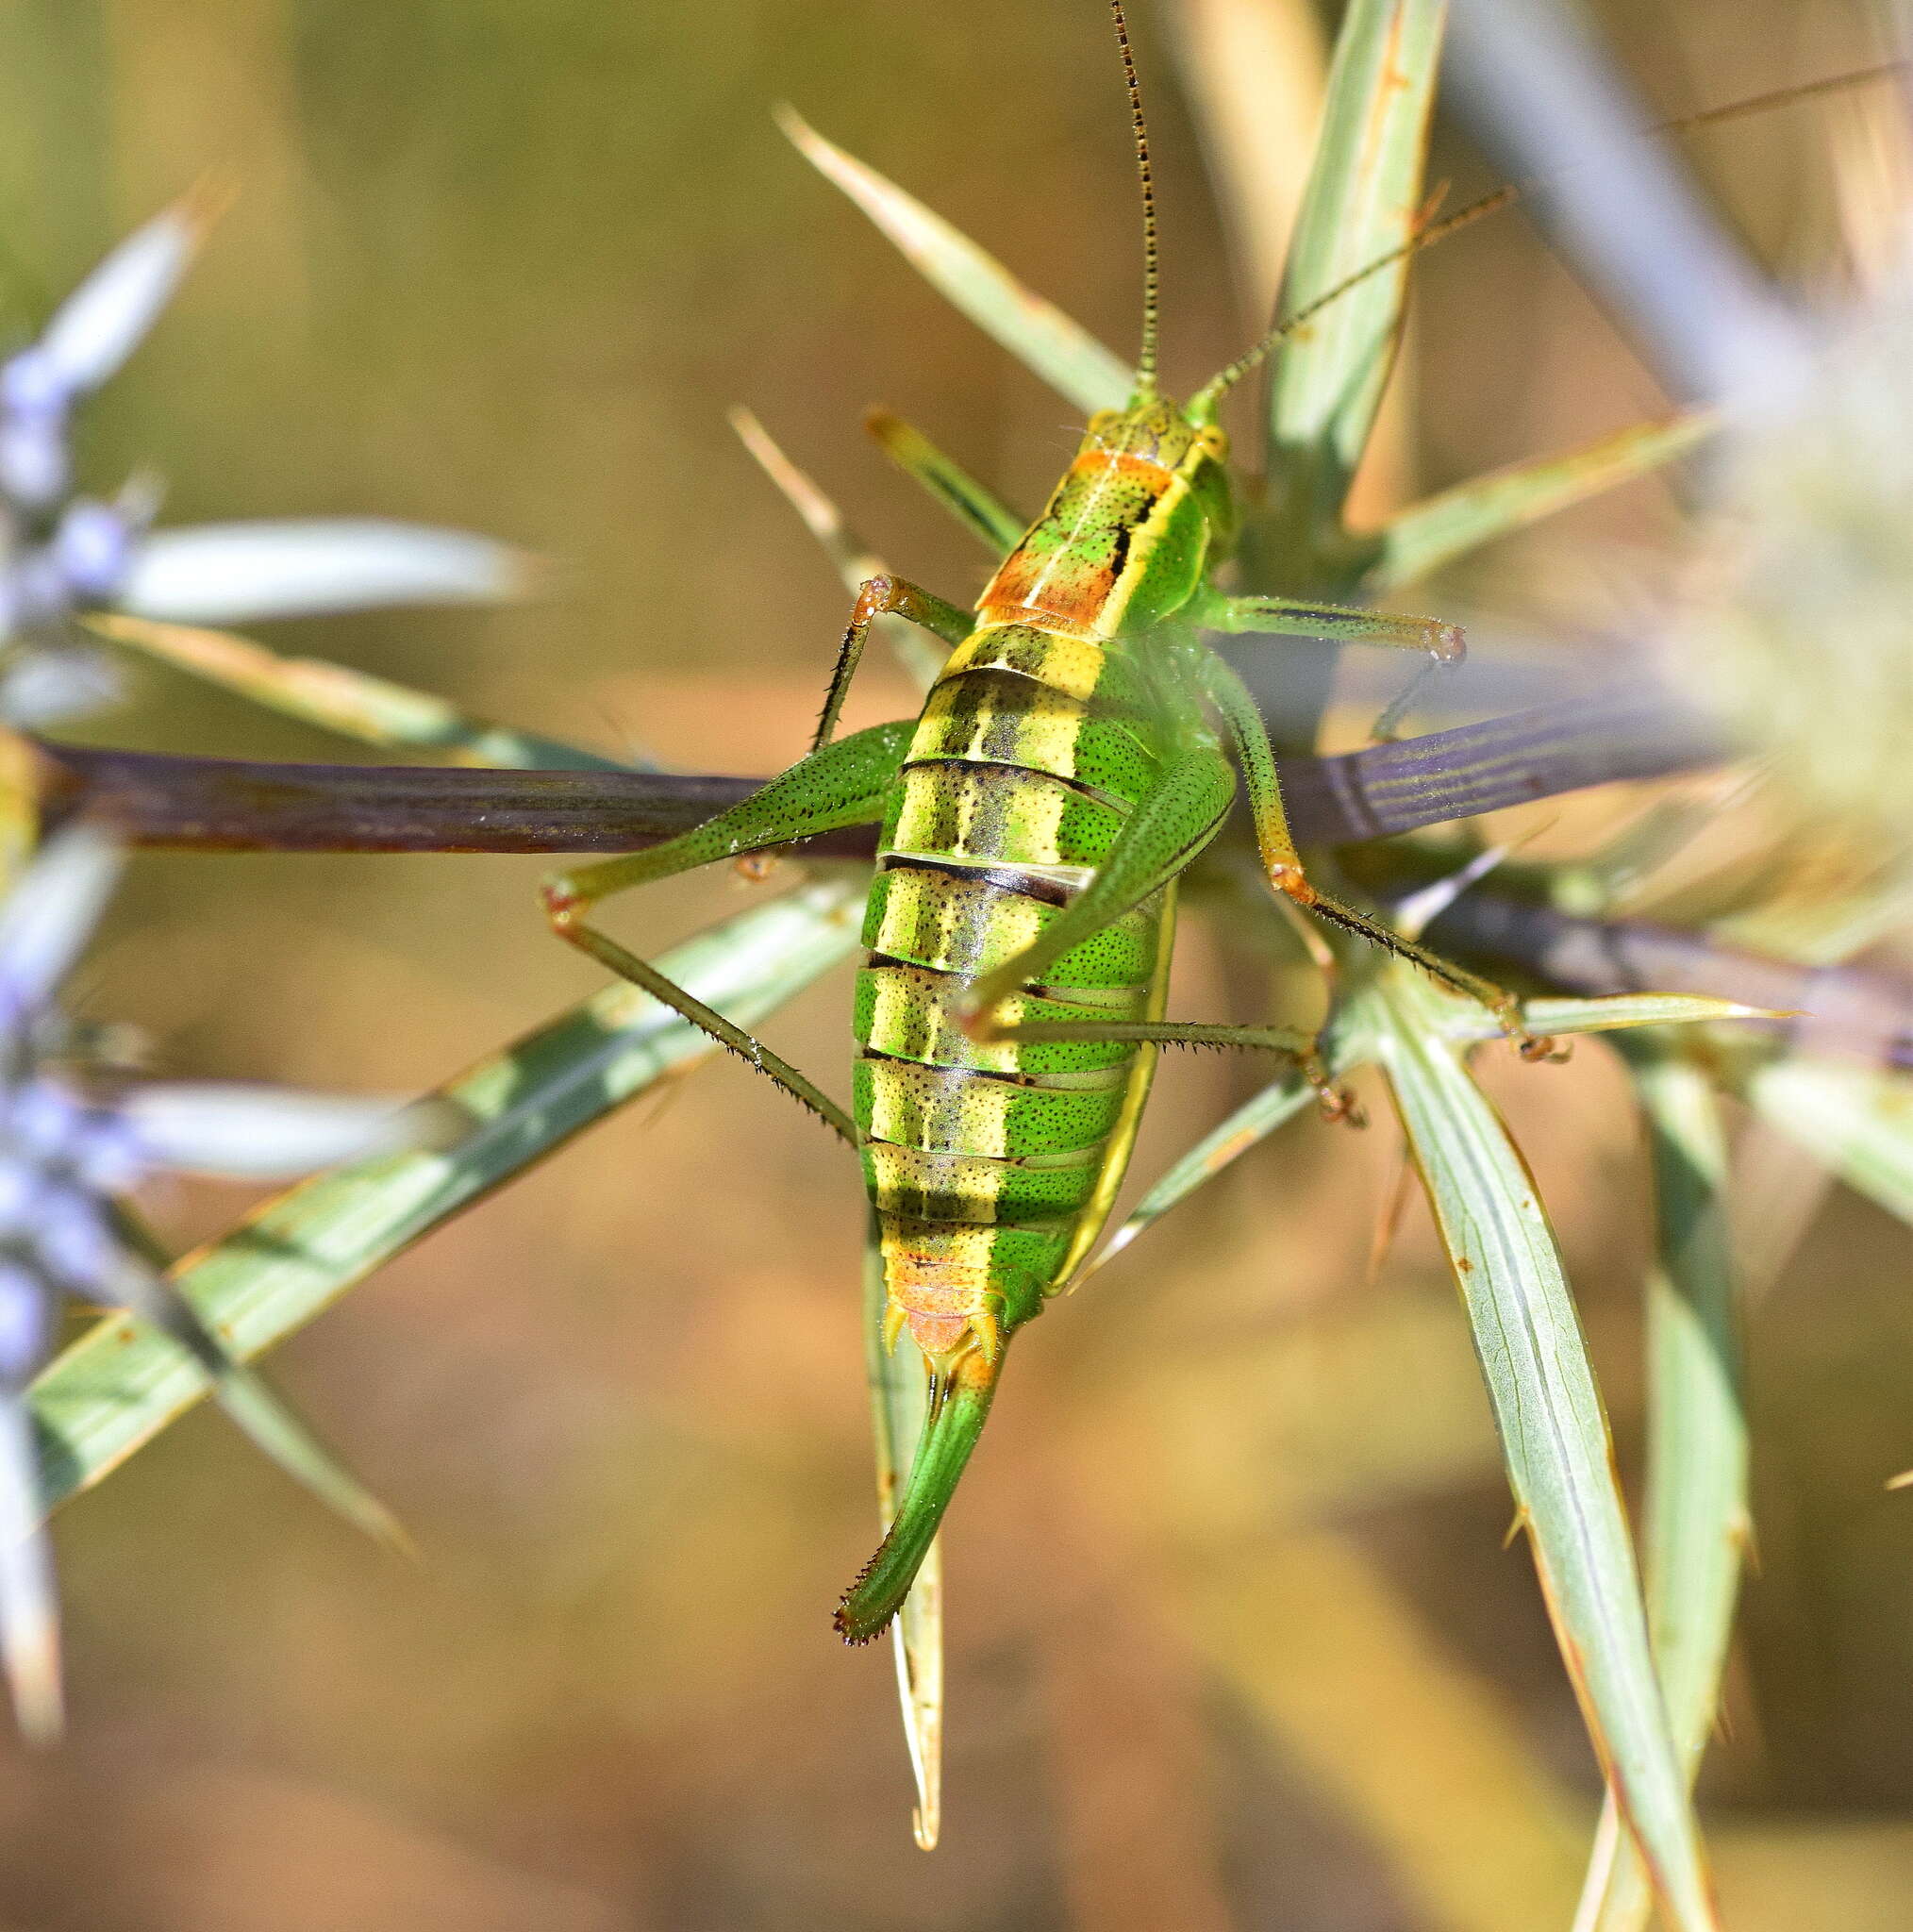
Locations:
882 598
1343 623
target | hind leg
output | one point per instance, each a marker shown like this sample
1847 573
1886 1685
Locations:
844 784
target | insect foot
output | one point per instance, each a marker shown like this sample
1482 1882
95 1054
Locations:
1338 1105
1533 1047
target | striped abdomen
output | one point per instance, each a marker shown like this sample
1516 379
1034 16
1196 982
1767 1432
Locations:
984 1159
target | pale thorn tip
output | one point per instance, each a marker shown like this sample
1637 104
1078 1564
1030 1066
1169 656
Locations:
33 1677
794 127
206 201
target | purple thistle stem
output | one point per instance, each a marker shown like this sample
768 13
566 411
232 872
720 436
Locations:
238 805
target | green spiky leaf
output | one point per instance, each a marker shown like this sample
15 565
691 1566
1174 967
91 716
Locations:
1045 340
1853 1119
355 705
999 528
1362 199
122 1382
1607 1014
1548 1410
1251 1123
856 562
898 1379
1427 535
1697 1518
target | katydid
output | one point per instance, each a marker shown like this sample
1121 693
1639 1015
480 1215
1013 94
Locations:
1072 760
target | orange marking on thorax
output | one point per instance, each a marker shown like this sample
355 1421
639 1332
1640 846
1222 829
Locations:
993 610
1123 461
1059 589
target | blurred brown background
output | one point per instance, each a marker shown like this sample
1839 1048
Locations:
1235 1639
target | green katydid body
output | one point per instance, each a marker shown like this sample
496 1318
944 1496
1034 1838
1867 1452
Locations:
1076 752
1064 772
992 1162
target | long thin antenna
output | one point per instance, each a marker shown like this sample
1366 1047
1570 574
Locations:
1145 361
1203 404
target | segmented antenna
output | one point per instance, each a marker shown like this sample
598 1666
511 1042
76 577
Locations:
1145 361
1202 407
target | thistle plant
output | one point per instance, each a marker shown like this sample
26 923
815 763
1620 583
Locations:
77 1138
1642 1637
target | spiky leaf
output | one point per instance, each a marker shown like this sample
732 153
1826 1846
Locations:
1251 1123
1697 1506
1857 1119
1548 1410
1061 352
1362 199
898 1386
1427 535
355 704
122 1382
1608 1014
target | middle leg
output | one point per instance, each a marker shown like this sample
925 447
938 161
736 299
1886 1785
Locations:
1297 1042
884 597
1282 862
1342 624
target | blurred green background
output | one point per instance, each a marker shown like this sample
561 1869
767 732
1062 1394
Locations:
1236 1643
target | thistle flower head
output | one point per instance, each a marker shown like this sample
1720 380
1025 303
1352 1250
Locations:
64 553
72 1147
1797 626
